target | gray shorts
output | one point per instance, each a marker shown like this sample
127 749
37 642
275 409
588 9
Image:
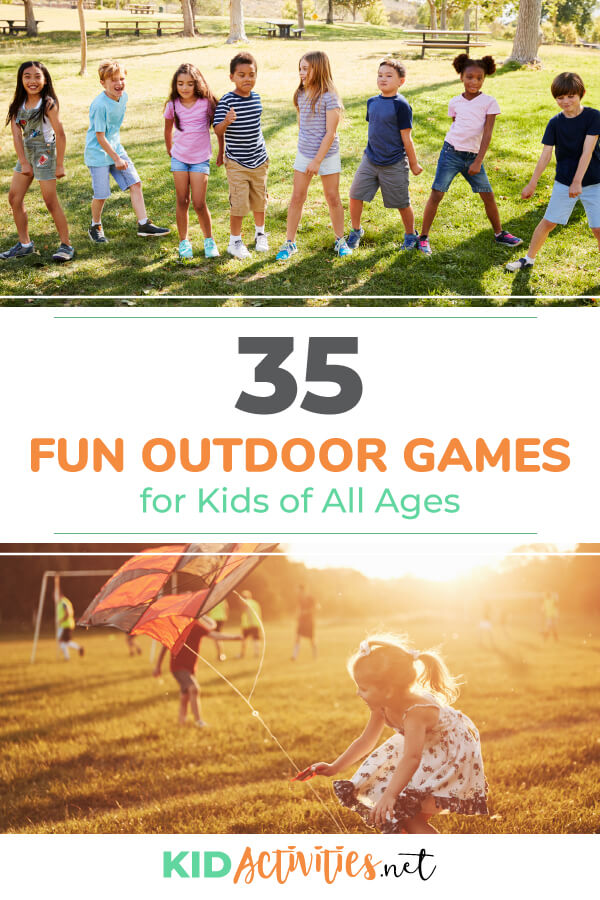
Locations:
393 181
42 159
185 680
125 178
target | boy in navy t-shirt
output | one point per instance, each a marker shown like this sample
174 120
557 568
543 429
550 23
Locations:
573 134
388 155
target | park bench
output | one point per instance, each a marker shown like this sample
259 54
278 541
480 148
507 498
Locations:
298 32
15 26
268 30
141 9
445 40
147 26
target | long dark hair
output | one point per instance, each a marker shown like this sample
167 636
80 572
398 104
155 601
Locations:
201 90
21 94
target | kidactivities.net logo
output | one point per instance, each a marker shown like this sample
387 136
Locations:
326 864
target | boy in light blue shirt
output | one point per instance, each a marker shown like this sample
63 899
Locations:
105 155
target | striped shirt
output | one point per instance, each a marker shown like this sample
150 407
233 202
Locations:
313 125
244 141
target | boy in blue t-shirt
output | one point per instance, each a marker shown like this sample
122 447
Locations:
104 154
388 155
573 134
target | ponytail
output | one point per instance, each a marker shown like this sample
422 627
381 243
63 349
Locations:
436 677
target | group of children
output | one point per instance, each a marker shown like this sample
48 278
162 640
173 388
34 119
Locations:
192 109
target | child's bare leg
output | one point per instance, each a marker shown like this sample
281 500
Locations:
137 201
356 211
97 207
259 218
539 236
419 824
431 208
596 233
48 189
194 696
235 224
182 200
331 189
297 201
183 706
408 219
199 183
491 210
18 188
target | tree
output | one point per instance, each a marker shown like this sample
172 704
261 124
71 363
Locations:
188 18
30 22
237 32
564 12
300 8
83 33
354 5
527 35
329 19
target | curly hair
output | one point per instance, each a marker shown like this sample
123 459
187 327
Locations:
462 62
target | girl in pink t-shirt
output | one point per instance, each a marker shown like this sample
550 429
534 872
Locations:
188 115
473 116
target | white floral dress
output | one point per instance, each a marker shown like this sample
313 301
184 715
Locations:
450 771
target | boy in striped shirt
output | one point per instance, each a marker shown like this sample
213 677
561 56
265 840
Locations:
237 117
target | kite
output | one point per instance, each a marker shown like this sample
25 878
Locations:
135 600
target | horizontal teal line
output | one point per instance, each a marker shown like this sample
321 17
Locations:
294 533
340 316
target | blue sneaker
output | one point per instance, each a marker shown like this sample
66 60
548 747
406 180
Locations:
410 242
341 247
354 237
423 246
288 249
508 239
17 251
185 250
211 251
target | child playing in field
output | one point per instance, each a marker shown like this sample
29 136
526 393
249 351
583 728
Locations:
251 619
65 622
39 140
574 134
433 762
237 120
319 111
388 155
105 155
473 116
183 667
190 108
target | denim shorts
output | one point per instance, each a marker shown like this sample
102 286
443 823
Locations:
561 205
330 165
178 166
456 162
125 178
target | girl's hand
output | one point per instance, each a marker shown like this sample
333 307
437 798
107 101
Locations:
60 171
219 158
121 163
26 168
49 103
475 167
320 768
383 810
528 191
313 167
416 169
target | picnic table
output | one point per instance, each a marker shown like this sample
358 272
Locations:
445 39
14 26
285 27
157 26
141 9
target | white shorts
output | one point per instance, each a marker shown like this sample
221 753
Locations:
560 207
329 166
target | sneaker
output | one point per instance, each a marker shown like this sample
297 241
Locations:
238 249
518 264
96 234
211 250
410 242
17 250
341 247
185 250
354 237
81 651
150 230
288 249
222 657
65 253
200 723
423 246
261 243
505 237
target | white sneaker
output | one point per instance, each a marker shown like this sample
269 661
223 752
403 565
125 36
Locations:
261 244
238 249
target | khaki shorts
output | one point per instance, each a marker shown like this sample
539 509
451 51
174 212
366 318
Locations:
247 188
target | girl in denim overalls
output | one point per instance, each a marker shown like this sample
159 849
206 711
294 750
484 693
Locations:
39 141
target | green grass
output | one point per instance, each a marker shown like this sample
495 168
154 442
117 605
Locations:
92 745
466 262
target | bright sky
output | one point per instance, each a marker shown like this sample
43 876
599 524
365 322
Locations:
435 562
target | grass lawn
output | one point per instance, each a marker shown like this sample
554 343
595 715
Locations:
92 745
465 263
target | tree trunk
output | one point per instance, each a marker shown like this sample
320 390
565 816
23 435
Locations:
300 8
527 35
237 32
30 18
82 31
467 19
443 15
432 15
188 19
329 19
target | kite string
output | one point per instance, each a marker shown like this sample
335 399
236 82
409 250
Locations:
264 641
337 821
